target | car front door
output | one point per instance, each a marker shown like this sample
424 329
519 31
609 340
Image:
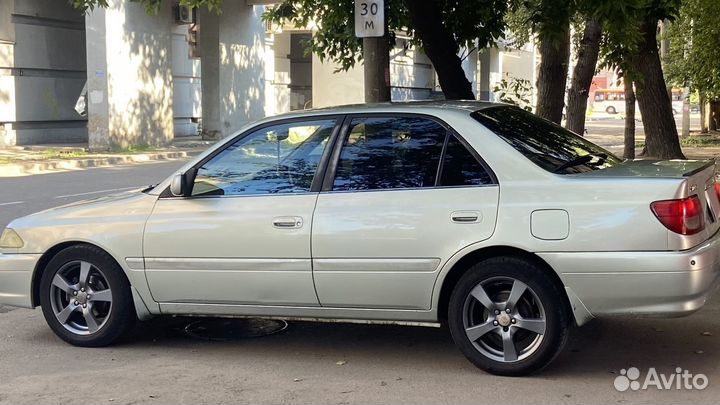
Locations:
403 194
243 235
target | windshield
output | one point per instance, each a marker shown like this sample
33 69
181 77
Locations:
548 145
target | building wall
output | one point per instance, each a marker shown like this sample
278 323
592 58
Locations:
233 54
411 78
42 72
242 65
130 76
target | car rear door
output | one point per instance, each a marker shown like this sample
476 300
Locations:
243 236
403 194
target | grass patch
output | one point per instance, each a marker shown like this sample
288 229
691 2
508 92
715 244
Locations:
137 149
700 141
60 154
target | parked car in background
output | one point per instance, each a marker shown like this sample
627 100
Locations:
507 227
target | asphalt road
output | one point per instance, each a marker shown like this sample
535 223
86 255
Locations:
321 362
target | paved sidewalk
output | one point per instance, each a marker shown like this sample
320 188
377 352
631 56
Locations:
39 159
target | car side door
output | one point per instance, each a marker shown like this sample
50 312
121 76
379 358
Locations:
242 236
403 193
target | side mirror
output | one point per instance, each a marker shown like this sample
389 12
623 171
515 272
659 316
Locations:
177 185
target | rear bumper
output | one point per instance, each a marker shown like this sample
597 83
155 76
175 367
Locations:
641 283
16 273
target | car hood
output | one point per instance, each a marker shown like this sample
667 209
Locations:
133 202
653 168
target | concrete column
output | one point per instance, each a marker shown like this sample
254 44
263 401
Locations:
97 83
232 47
209 46
490 72
130 88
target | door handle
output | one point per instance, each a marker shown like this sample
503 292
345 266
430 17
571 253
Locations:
466 217
287 222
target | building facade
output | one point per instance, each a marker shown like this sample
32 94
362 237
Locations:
149 79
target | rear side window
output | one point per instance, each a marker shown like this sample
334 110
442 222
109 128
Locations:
390 153
549 146
461 168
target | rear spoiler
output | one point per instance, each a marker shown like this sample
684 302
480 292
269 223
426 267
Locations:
693 172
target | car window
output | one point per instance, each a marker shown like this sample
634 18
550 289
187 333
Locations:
272 160
548 145
389 153
461 168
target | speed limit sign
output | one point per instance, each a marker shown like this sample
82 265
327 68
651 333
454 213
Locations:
369 18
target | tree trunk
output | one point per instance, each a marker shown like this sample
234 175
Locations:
714 114
661 136
629 152
376 59
587 57
440 47
704 127
552 76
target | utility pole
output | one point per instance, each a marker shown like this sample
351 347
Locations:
371 26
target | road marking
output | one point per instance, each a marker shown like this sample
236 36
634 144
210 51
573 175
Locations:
97 192
12 203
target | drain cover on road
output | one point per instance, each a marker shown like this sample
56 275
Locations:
231 329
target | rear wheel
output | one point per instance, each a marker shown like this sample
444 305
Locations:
611 110
507 316
85 297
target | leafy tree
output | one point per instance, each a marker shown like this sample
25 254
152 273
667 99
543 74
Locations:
694 59
631 45
440 27
550 21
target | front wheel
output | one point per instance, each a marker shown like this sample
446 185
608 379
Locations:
86 298
611 110
508 317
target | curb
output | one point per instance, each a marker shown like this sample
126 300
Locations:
42 167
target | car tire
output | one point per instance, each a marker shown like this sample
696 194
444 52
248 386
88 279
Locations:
86 298
611 110
517 342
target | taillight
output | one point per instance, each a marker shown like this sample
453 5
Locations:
717 189
683 216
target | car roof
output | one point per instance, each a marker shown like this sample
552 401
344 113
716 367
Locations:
429 106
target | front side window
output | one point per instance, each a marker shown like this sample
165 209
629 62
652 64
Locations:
273 160
548 145
390 153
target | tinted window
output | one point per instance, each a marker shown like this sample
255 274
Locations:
386 153
273 160
550 146
460 168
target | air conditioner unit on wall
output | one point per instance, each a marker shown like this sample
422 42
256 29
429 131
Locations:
184 14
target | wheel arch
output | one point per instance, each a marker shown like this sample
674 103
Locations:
141 308
452 276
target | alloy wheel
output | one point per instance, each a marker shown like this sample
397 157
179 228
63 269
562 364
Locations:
504 319
80 297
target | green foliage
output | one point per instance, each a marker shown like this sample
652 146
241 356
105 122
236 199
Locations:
515 91
624 22
480 21
694 57
151 6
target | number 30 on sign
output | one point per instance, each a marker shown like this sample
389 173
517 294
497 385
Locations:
369 18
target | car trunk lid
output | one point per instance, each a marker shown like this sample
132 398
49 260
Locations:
697 178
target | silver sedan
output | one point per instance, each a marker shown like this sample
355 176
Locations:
506 227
